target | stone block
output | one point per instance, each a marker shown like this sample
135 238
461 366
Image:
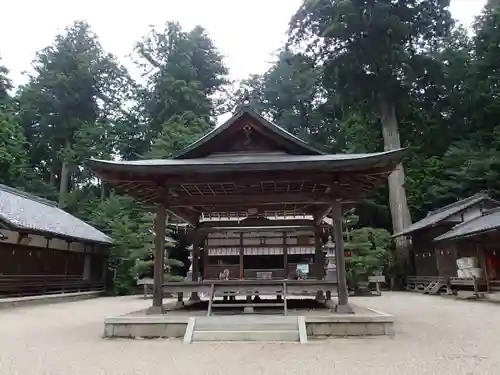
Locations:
356 329
375 329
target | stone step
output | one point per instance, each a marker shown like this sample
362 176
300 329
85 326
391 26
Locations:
246 323
241 336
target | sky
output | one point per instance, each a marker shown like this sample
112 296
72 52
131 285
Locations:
246 32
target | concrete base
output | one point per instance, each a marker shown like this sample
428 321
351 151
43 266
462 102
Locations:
155 310
344 309
157 326
371 323
11 302
341 325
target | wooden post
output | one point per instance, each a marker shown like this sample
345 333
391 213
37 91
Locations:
196 264
159 259
285 255
242 257
343 302
319 261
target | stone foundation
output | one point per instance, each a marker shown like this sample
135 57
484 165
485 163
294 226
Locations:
372 323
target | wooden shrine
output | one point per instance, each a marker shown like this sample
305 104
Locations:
250 168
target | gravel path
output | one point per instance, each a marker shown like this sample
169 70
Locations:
434 335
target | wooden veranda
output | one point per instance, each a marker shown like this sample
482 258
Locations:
249 168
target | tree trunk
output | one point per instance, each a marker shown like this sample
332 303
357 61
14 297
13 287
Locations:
397 194
64 183
103 191
52 177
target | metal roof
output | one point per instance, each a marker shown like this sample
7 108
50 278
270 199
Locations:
308 149
253 162
435 217
481 224
21 210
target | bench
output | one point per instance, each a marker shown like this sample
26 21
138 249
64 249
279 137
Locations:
29 285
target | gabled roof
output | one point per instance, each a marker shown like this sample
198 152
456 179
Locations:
20 210
435 217
302 145
482 224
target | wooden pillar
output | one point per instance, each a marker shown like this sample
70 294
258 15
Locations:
205 259
319 259
159 259
285 255
195 255
343 303
242 257
319 256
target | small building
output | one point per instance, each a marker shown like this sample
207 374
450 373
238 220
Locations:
44 249
428 258
477 238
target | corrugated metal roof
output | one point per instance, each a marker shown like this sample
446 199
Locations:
25 211
435 217
481 224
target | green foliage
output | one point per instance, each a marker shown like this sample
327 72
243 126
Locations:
130 229
178 132
370 253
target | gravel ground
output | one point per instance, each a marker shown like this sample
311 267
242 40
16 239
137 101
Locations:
434 335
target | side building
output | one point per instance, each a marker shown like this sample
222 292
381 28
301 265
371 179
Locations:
44 249
434 256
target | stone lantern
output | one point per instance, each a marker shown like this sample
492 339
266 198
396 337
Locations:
330 260
189 275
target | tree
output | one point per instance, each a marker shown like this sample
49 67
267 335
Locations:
373 54
185 74
290 94
370 254
67 107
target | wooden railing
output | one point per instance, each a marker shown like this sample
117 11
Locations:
28 285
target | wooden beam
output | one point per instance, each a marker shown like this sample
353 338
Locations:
320 213
181 214
298 223
318 177
250 200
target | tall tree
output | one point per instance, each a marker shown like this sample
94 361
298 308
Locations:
185 76
291 94
369 50
66 107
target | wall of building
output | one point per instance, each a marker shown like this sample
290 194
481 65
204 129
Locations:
37 255
236 252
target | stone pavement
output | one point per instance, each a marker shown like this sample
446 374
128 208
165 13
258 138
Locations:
434 336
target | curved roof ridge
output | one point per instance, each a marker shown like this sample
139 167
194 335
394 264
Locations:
240 112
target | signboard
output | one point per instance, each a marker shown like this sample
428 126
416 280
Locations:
376 279
302 270
264 275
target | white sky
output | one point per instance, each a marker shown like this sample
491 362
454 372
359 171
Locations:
247 32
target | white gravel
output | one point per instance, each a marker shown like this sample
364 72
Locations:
434 335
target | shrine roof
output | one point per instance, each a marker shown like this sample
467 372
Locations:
251 162
294 143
